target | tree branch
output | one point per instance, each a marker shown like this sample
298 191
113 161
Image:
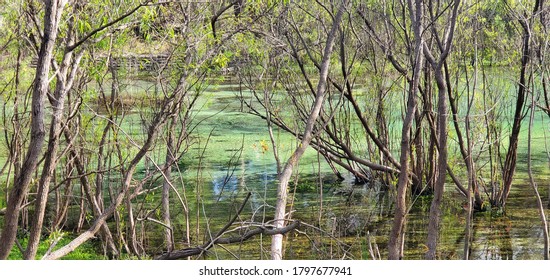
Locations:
187 252
103 27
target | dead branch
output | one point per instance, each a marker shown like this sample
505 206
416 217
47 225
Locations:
217 239
187 252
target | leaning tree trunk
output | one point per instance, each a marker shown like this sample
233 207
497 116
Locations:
511 155
53 11
64 83
282 192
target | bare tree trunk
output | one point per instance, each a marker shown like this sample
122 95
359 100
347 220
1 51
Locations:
82 211
63 85
131 228
53 11
417 155
282 189
15 143
165 199
472 184
540 205
395 248
435 208
511 155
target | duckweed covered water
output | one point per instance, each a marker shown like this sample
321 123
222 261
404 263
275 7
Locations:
342 220
231 156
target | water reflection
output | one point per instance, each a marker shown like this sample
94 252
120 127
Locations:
491 238
357 211
225 186
247 176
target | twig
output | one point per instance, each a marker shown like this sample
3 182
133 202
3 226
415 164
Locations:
55 241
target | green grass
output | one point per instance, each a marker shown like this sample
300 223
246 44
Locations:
87 251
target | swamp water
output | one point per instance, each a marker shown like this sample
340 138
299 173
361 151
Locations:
341 220
232 156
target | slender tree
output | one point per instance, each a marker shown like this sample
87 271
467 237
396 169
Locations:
509 168
395 247
53 11
286 173
444 45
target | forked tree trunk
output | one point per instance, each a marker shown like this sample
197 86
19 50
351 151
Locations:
64 83
511 155
395 244
439 187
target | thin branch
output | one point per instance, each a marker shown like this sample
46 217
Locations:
103 27
187 252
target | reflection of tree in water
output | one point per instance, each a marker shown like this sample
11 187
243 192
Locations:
492 239
247 176
259 185
225 186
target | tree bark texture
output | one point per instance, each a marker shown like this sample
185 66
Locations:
435 208
53 11
64 83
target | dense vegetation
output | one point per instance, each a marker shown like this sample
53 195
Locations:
113 111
